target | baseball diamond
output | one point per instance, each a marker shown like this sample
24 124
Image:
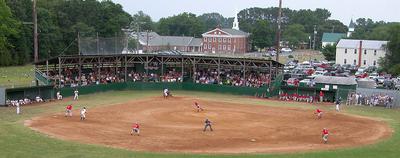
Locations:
171 125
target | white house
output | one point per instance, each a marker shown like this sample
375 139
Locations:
360 52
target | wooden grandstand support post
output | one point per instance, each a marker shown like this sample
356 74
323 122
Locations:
219 70
80 70
59 72
98 68
162 66
147 66
182 69
244 69
126 68
194 70
270 74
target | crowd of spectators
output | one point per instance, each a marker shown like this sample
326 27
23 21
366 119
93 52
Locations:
370 100
232 78
92 76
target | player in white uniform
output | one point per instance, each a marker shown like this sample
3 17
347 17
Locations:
18 108
83 113
166 93
76 94
59 96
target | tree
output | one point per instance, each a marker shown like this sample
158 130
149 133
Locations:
8 29
295 34
329 51
212 20
262 35
391 61
185 24
143 20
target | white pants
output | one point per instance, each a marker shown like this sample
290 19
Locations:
76 97
337 107
18 110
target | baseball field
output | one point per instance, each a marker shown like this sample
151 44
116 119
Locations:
243 127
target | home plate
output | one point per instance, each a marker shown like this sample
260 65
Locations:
253 140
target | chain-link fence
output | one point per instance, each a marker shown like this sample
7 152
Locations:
104 46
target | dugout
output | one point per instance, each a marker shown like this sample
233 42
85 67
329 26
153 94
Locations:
45 92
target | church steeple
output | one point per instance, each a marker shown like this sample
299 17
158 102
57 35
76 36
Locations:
235 24
352 26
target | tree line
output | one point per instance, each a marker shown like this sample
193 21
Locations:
59 22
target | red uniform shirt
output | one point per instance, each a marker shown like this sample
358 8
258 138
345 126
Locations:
321 94
69 107
325 131
319 111
135 125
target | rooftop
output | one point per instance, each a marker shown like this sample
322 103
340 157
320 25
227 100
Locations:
366 44
332 37
335 80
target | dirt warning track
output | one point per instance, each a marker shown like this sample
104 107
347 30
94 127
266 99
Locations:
173 125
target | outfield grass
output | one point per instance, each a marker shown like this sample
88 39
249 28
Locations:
16 140
16 76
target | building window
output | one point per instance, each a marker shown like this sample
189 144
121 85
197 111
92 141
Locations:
215 39
224 47
365 52
365 62
229 40
375 52
219 39
345 61
374 62
345 51
205 39
355 51
224 40
209 46
355 62
209 39
229 47
205 46
219 47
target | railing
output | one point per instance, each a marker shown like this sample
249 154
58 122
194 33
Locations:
42 78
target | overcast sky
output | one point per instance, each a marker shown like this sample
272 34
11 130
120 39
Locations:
343 10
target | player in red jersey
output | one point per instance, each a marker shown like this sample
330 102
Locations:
319 113
325 134
198 107
68 111
135 129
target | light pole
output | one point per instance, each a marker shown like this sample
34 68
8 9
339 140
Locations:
315 34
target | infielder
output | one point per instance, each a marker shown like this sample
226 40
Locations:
337 102
198 107
76 94
83 113
59 96
135 129
325 134
319 113
166 93
68 111
207 123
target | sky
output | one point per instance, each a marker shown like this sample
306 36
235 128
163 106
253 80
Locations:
343 10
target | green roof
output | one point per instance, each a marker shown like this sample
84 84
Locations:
332 37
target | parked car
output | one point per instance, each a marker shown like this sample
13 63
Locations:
373 76
286 50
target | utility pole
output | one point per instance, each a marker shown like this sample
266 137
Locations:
137 37
315 34
278 38
147 41
35 33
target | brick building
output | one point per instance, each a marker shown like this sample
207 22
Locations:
226 40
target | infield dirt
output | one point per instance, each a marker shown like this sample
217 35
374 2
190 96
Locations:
173 125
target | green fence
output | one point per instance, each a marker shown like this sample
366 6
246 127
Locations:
171 86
